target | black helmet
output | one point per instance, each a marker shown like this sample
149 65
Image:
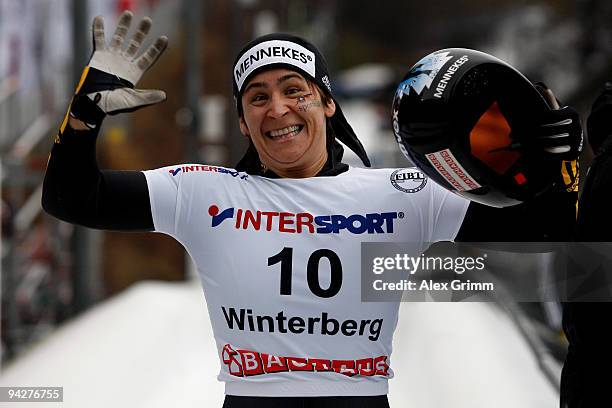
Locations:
457 115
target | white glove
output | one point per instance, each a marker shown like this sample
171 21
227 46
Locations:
108 81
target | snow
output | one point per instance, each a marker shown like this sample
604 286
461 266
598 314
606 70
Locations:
152 346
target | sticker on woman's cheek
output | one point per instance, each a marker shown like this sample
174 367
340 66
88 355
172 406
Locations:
303 104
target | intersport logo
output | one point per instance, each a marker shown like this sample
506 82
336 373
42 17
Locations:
304 222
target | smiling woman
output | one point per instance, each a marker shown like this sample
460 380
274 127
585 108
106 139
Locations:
285 119
299 234
277 240
286 108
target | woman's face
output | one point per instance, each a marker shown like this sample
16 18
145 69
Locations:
285 117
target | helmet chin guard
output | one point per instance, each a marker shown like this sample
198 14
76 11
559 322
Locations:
461 115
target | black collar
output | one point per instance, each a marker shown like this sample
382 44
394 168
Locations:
333 166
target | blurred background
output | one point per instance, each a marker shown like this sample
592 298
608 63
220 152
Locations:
74 308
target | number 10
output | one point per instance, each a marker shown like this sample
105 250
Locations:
285 257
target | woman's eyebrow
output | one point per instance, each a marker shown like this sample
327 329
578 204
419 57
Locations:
255 85
265 85
289 76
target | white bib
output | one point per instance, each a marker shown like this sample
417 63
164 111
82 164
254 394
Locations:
279 261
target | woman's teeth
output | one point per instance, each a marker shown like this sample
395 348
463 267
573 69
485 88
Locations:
285 133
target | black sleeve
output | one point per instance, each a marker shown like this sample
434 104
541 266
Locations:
550 217
76 191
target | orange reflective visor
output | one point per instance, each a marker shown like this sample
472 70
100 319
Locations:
489 138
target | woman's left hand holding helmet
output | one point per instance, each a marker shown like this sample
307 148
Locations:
558 132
